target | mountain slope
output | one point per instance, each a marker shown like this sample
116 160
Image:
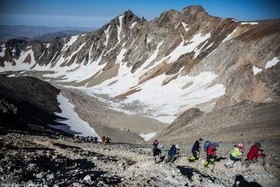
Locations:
177 61
28 104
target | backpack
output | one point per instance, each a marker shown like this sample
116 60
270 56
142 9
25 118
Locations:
206 145
159 146
172 150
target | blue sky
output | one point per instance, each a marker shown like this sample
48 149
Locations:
96 13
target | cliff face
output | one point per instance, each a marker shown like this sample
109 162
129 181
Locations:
177 61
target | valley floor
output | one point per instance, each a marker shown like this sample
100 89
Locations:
39 160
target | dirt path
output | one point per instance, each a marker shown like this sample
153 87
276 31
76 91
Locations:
26 159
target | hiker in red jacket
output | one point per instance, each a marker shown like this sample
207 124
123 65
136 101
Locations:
253 154
211 154
103 138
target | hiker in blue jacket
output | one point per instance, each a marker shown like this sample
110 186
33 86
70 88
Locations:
172 153
196 150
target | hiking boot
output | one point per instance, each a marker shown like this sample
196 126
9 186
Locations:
228 166
206 163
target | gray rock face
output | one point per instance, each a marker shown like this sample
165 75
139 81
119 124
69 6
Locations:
231 51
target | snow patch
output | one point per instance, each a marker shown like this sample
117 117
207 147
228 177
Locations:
148 136
229 37
148 40
119 28
21 65
73 123
107 35
176 26
185 26
256 70
249 23
170 99
3 49
272 62
183 49
132 25
76 72
12 75
153 56
71 41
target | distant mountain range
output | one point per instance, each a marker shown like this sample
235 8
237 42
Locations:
42 33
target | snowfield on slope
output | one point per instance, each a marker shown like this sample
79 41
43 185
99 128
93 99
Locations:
73 123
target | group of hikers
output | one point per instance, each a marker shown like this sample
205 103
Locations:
173 153
237 153
105 140
86 138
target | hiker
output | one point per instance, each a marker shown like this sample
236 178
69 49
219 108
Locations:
81 138
155 143
156 150
61 137
235 154
172 153
95 139
253 154
103 139
196 150
108 140
87 139
211 154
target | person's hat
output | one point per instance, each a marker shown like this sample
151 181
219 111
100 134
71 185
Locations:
240 145
177 146
258 145
215 145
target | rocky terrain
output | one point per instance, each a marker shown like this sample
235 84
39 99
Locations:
39 160
28 159
183 75
28 104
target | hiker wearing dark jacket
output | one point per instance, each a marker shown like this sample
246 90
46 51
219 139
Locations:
156 150
108 140
211 154
173 151
196 150
253 154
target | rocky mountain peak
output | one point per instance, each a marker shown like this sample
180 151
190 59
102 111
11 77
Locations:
167 17
130 17
128 13
194 11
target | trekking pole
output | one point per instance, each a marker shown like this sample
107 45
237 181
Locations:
264 162
198 160
241 162
213 167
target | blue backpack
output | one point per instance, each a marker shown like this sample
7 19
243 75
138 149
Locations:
206 145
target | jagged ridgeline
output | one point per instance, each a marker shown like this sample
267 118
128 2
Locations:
178 61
